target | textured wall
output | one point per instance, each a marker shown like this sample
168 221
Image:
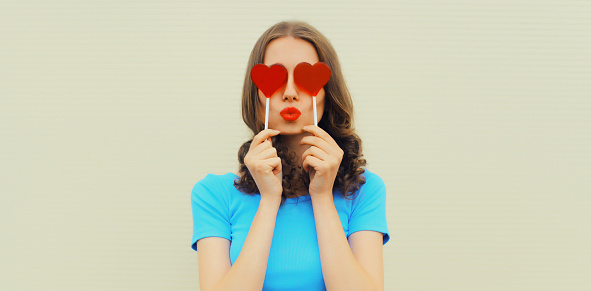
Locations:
475 113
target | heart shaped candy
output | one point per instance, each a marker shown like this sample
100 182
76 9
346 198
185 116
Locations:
311 78
269 79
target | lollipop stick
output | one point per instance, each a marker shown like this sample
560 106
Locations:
267 113
315 114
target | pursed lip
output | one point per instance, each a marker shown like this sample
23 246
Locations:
290 113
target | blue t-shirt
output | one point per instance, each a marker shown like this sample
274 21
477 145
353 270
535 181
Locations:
294 259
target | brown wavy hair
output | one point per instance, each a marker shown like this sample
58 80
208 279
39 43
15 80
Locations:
337 119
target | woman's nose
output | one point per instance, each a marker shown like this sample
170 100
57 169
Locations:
290 93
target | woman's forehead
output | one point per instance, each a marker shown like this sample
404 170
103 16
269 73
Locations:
290 51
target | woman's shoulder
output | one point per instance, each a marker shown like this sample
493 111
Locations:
218 178
371 192
373 187
215 183
372 178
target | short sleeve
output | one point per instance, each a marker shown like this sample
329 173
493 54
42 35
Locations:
369 208
210 210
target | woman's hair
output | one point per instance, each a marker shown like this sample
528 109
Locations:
337 119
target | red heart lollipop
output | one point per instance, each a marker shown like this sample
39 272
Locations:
311 78
269 80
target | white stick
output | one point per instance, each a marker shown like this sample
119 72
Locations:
267 114
315 114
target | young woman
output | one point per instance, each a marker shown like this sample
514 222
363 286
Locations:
302 213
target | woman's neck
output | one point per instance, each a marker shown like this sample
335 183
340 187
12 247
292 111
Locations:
293 144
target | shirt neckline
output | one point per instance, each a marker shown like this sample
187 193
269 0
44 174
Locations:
292 200
296 199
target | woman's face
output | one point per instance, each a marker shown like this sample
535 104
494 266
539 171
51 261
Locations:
289 52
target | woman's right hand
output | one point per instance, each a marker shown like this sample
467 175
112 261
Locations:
264 165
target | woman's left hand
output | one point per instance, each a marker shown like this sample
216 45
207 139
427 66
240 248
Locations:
321 160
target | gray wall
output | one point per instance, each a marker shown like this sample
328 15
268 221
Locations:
475 113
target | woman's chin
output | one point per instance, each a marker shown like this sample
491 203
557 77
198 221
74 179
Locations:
291 129
287 127
290 132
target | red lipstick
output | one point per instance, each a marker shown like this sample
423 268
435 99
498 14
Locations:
290 113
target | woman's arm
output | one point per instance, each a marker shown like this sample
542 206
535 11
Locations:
358 266
344 267
248 271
